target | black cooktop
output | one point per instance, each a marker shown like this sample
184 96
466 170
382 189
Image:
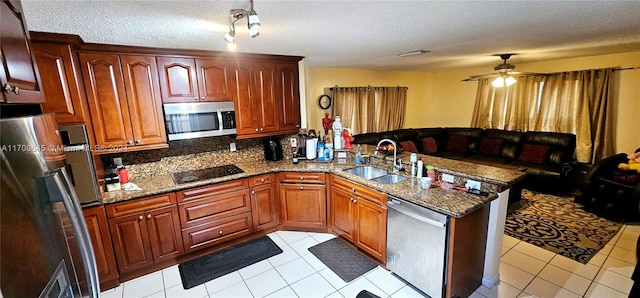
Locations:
204 174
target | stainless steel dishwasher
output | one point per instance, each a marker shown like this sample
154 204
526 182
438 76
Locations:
416 245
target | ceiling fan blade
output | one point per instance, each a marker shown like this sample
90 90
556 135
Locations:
487 75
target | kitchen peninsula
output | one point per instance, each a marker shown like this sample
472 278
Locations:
488 212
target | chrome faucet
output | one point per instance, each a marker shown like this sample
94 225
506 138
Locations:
397 166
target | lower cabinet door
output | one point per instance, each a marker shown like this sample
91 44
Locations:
303 205
98 229
164 233
209 234
131 242
264 207
342 213
371 228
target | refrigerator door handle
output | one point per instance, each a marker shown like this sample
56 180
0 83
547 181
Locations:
59 188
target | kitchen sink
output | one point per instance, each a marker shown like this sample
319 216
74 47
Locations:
389 179
367 172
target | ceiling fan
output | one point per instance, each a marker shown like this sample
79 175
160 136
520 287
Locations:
504 75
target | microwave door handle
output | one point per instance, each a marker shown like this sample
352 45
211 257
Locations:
59 190
220 124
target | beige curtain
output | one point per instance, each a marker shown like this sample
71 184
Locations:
579 102
512 108
575 102
369 109
391 103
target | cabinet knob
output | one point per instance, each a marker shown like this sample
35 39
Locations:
148 215
138 141
8 88
261 128
220 232
301 187
129 142
297 125
196 99
355 201
253 192
140 217
353 189
256 130
262 180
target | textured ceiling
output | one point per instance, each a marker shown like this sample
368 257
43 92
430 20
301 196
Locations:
360 34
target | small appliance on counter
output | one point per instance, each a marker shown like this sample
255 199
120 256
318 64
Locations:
272 149
112 179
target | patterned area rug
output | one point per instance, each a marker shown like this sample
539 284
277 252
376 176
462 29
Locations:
559 225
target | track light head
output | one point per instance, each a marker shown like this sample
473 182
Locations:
253 23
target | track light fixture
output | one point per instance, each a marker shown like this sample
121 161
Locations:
253 23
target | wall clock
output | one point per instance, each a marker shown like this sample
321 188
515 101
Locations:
324 101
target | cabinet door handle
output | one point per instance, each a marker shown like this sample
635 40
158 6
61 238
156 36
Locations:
148 216
129 142
220 232
138 141
140 217
8 88
253 192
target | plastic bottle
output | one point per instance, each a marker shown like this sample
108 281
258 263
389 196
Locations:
419 171
358 154
413 158
295 157
329 147
320 151
337 133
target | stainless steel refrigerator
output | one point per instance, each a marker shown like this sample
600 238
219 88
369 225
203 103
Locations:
45 250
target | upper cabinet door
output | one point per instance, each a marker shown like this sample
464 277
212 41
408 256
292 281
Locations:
214 79
288 96
107 99
19 75
62 88
178 81
265 84
143 97
246 113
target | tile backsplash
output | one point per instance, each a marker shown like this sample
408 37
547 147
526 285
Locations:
194 154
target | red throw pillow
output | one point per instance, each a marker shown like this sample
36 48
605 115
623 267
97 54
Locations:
409 146
457 144
490 146
429 146
534 153
627 178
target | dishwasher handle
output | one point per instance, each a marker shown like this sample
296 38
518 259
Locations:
396 205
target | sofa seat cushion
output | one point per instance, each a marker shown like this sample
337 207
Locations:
536 169
429 146
409 146
490 146
534 153
458 144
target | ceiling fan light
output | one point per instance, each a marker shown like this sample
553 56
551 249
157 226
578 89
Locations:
498 82
510 81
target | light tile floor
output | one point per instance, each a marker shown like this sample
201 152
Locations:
525 271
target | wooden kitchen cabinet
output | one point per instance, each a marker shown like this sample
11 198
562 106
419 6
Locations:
193 80
63 88
98 229
126 111
288 97
19 74
303 201
358 214
254 92
214 213
146 231
265 207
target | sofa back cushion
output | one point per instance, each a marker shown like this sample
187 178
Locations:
472 138
561 145
409 146
490 146
370 138
429 146
511 141
456 143
534 153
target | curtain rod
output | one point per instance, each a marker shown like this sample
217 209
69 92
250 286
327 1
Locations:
369 86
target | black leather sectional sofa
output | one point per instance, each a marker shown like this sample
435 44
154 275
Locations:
546 157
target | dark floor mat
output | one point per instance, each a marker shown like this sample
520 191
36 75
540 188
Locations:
342 259
206 268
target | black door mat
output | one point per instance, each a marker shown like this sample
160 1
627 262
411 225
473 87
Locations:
209 267
342 259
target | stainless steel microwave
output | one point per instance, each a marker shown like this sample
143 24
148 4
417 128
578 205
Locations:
199 119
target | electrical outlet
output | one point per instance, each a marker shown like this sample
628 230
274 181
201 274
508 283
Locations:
294 142
447 178
472 184
232 147
117 161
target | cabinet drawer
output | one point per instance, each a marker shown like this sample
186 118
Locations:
139 205
214 207
261 180
211 190
215 232
359 190
299 177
